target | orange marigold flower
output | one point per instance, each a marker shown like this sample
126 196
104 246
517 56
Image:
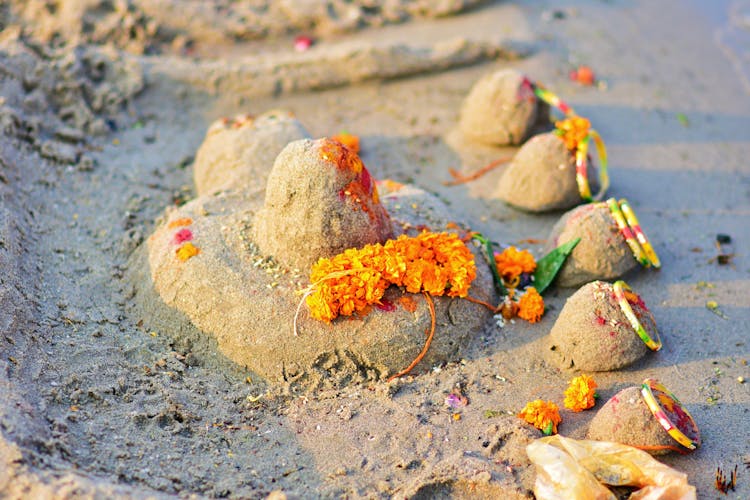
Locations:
436 263
572 131
351 141
544 415
580 393
531 305
512 262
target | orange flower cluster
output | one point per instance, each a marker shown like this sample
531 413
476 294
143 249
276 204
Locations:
531 306
436 263
512 262
580 393
543 415
572 131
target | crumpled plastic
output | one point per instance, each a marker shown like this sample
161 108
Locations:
572 468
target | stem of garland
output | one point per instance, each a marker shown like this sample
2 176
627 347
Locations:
430 334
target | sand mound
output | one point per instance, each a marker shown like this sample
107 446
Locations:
602 252
320 200
626 419
542 176
593 334
239 152
501 109
226 263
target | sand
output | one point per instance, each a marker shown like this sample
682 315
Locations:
101 399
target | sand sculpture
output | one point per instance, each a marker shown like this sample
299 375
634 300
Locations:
611 243
231 266
237 152
647 417
501 109
603 327
542 176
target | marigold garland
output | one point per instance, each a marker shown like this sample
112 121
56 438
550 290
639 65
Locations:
512 262
580 394
435 263
544 415
531 305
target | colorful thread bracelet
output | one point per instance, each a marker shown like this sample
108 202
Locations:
660 401
582 177
632 221
627 232
549 97
582 150
619 288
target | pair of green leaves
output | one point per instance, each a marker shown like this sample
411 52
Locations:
546 268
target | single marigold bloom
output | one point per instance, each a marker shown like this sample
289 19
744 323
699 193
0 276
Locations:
343 157
580 393
351 141
544 415
512 262
572 131
436 263
531 305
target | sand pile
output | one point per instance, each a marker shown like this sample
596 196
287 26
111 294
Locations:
501 109
627 418
602 252
232 264
593 333
320 200
239 152
542 176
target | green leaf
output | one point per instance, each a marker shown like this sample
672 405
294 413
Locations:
683 119
547 431
489 257
548 266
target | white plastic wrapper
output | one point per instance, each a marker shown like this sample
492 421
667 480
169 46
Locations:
570 468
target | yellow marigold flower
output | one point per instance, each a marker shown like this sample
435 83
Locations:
573 130
580 393
531 305
436 263
512 262
544 415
